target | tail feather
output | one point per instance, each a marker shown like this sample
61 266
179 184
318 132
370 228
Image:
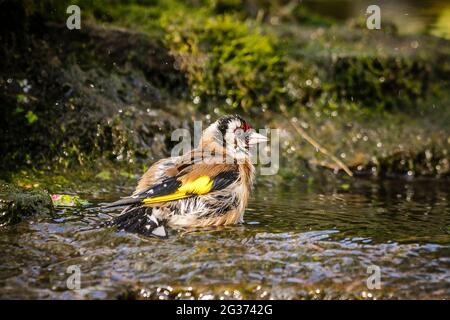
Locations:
123 202
139 220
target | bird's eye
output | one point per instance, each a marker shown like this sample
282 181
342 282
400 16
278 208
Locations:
238 131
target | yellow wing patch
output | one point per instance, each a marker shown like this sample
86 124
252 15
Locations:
199 186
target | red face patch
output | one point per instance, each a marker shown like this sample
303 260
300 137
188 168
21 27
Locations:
245 126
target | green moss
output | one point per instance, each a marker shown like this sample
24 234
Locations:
17 204
382 83
226 60
268 11
31 117
84 95
104 175
349 67
75 179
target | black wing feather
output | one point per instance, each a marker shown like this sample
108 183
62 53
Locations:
224 179
167 186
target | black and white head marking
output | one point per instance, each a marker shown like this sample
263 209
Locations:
234 132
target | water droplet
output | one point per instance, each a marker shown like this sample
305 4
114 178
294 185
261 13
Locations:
196 100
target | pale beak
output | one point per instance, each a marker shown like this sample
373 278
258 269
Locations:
256 138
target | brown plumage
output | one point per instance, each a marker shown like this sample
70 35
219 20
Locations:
208 186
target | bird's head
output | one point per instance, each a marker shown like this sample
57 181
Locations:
234 134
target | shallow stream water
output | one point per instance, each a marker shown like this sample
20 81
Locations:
296 243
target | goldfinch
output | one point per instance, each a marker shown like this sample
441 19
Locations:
208 186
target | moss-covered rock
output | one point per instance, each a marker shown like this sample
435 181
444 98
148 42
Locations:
349 67
17 204
85 94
